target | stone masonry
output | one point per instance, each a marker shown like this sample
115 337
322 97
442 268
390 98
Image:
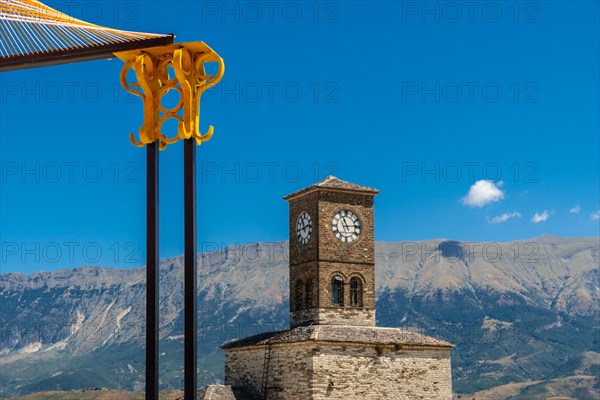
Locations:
314 264
349 371
333 349
341 362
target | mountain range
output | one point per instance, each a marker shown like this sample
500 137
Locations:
522 314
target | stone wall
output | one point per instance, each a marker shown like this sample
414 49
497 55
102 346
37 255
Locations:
290 370
323 245
315 278
302 253
331 248
366 275
334 316
346 316
383 372
348 371
313 265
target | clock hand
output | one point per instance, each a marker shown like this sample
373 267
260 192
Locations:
345 225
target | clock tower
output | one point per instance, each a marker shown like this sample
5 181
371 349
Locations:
333 349
332 254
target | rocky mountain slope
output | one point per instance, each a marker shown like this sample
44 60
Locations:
98 394
519 311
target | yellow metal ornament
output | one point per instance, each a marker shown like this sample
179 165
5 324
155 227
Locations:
152 67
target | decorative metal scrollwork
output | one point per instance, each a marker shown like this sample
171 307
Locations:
154 80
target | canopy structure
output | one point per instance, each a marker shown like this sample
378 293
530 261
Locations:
35 35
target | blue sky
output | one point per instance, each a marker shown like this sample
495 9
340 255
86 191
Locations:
469 119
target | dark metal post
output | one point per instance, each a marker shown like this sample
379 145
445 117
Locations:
152 271
190 268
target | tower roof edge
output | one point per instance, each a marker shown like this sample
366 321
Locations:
332 183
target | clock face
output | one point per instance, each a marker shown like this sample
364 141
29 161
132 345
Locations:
303 228
346 226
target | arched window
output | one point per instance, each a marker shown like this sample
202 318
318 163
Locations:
356 293
299 295
337 291
309 292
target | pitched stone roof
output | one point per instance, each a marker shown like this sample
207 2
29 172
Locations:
341 334
333 183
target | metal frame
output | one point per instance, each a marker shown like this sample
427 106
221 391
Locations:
152 271
66 56
190 271
152 68
150 59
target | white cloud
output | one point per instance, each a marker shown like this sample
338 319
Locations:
537 218
483 192
595 216
504 217
575 210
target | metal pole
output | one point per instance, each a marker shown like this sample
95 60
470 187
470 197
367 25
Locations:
152 271
190 269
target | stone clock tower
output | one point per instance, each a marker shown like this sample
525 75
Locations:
332 254
333 349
